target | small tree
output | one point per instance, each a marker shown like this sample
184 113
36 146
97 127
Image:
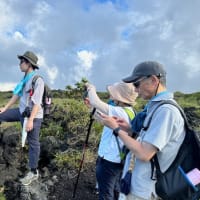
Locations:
78 90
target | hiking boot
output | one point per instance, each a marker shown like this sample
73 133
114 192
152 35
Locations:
29 178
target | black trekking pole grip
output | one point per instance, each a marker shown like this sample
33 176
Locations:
84 148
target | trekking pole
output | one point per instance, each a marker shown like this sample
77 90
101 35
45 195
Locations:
84 148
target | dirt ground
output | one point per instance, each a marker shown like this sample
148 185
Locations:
85 189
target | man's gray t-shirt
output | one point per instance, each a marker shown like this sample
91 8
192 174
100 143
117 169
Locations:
36 98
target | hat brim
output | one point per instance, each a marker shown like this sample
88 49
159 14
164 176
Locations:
21 57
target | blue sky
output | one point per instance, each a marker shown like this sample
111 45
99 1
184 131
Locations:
101 40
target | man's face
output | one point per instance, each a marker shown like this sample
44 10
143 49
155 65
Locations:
146 87
24 65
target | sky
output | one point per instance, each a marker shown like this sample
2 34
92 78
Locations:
101 40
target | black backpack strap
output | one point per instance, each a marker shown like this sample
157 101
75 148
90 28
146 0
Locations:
118 146
172 103
34 81
154 161
152 169
33 86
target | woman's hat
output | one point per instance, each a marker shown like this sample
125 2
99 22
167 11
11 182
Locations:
123 92
31 57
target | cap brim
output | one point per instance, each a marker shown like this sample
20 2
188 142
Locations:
130 79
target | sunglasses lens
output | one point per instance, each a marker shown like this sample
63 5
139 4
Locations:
136 84
22 61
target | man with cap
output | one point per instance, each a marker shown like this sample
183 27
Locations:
109 166
163 136
30 107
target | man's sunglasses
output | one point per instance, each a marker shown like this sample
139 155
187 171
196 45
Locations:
22 61
138 82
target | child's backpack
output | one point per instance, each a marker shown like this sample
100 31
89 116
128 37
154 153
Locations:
46 98
175 183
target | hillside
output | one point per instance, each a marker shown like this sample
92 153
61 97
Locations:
62 137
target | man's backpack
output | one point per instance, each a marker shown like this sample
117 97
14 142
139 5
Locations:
46 98
174 184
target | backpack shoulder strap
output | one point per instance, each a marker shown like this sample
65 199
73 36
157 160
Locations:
154 160
171 103
34 80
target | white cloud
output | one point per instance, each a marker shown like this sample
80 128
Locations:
114 38
188 58
166 30
52 72
42 8
86 58
192 61
139 19
7 17
85 61
7 86
18 36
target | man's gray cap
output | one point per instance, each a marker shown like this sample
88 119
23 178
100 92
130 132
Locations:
146 69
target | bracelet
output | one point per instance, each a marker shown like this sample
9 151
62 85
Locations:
116 131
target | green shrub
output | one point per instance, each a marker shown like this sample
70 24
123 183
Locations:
2 197
70 119
71 158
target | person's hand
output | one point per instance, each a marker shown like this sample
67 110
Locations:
123 124
114 122
29 125
87 102
110 122
2 109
